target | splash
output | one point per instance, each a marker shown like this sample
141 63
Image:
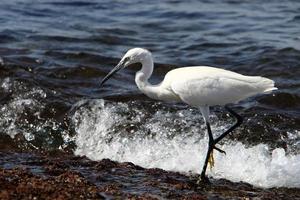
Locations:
122 132
22 115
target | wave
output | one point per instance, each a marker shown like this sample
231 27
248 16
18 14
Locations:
103 132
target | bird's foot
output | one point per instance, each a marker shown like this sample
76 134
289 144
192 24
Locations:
211 160
219 150
203 180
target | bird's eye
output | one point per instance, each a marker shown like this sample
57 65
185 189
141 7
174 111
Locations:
126 59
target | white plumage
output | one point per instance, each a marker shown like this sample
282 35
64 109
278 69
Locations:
209 86
198 86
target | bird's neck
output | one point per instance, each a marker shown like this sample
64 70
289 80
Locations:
142 76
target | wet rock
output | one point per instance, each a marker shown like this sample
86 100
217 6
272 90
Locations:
64 176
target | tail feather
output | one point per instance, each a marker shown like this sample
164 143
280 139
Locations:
266 85
270 89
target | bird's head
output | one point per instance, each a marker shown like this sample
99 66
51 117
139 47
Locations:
132 56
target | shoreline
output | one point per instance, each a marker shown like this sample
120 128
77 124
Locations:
60 175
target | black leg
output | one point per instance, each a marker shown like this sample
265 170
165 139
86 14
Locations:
238 123
212 142
210 148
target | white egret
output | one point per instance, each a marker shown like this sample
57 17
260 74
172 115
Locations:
197 86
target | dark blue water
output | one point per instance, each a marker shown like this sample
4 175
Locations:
54 53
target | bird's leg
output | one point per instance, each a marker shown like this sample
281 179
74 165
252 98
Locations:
209 157
238 123
212 142
211 160
211 147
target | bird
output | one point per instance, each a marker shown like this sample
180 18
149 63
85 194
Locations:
198 86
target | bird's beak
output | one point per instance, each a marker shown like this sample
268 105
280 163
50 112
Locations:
112 72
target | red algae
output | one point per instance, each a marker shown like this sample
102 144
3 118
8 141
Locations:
20 184
65 176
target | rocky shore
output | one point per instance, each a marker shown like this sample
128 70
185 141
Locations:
65 176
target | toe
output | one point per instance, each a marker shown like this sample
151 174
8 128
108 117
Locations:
219 150
203 180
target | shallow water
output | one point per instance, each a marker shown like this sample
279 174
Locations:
54 53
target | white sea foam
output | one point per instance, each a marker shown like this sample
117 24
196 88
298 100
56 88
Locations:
98 137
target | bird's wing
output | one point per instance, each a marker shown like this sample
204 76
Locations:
213 89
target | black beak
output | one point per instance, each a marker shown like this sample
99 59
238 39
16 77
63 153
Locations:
112 72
